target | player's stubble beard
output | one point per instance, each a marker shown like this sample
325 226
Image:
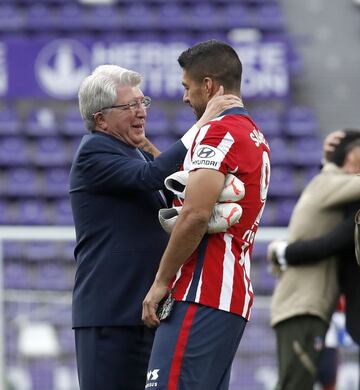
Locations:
199 110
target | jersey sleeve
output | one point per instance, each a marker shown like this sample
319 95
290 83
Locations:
216 150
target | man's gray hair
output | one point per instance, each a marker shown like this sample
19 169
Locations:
100 90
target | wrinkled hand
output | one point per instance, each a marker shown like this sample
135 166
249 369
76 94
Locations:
217 104
330 142
151 302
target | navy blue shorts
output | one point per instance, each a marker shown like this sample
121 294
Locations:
113 358
194 349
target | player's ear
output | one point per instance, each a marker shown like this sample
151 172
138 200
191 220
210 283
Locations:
209 86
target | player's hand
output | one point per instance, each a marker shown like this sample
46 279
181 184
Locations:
330 142
217 104
149 147
151 302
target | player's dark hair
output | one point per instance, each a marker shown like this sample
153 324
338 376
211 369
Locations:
346 145
214 59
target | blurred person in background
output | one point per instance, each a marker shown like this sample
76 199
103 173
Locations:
308 286
116 192
209 274
357 236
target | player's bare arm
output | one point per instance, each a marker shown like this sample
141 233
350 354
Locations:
202 191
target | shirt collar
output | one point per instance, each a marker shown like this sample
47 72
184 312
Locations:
235 111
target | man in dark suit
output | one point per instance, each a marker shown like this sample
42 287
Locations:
116 192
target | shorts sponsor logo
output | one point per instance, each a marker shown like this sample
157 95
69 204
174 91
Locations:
152 376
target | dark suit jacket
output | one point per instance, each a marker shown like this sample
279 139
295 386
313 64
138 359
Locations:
119 241
339 242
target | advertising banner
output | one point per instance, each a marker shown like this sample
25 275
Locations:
54 68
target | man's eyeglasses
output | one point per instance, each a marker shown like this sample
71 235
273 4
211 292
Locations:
143 102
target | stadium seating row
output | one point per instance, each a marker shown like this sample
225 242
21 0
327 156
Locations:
140 15
45 121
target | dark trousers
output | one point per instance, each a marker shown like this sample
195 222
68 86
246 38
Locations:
300 342
113 358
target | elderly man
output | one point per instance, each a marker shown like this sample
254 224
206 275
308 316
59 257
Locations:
116 192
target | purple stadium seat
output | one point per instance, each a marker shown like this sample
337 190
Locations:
61 212
11 18
143 37
206 35
41 122
269 218
138 16
71 17
50 151
180 36
269 17
104 18
301 121
41 373
9 122
66 340
269 120
11 340
40 251
183 120
73 124
14 151
283 211
13 250
295 60
51 276
32 212
7 216
260 250
237 15
56 182
172 16
279 151
264 282
204 16
20 182
283 182
61 315
15 276
309 173
66 251
48 1
306 151
157 121
39 17
74 144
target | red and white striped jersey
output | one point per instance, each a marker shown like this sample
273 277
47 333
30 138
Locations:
217 274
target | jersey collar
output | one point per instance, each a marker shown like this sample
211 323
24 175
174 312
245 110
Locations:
235 111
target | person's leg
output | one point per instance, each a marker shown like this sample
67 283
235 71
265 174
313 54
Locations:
194 349
113 357
300 341
327 371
